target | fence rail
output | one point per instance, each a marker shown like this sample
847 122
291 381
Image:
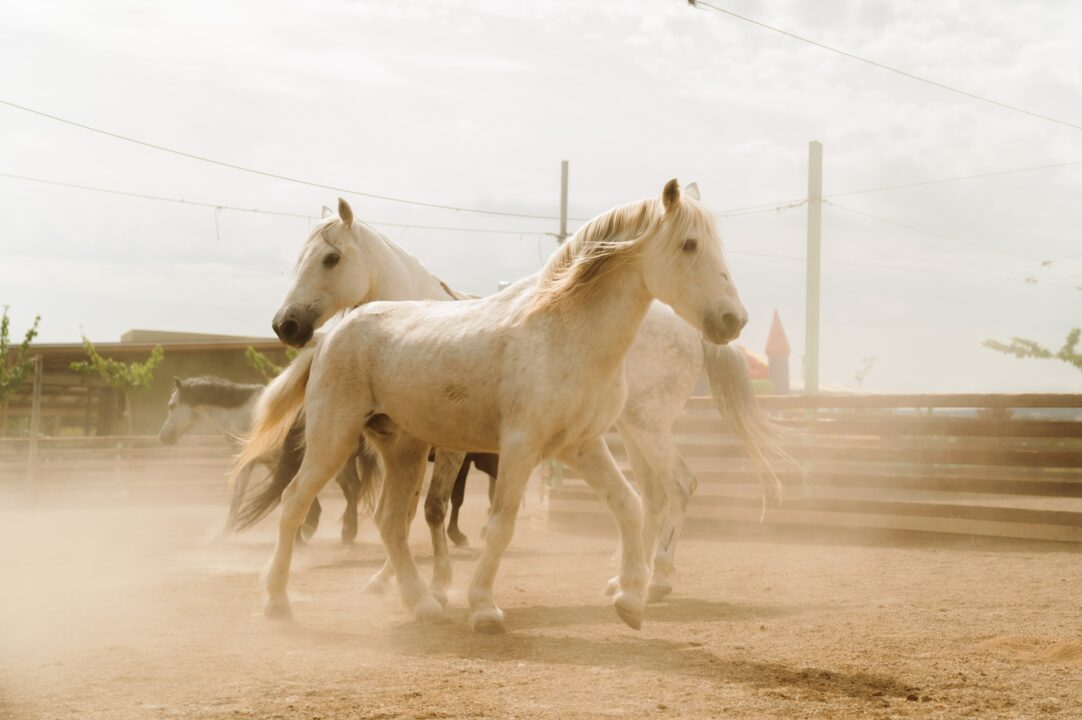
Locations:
1003 465
131 464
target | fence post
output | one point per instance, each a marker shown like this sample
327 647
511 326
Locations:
814 254
35 424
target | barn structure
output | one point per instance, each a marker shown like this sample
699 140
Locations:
79 405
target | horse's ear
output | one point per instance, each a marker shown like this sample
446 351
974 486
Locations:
325 212
671 195
345 212
692 191
176 382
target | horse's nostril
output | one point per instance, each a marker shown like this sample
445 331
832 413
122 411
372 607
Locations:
287 329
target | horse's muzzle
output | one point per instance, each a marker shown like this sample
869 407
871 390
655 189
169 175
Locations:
295 326
723 327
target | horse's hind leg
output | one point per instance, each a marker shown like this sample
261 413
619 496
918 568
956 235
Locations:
458 494
666 495
679 486
597 467
329 442
308 528
655 501
404 458
446 467
350 483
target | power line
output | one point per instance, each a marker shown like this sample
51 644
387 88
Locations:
903 268
266 173
950 238
781 205
975 176
234 208
873 63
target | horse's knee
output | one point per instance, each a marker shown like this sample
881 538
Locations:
435 510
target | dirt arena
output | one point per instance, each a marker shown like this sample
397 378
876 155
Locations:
130 611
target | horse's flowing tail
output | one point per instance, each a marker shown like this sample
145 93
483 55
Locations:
731 387
276 412
289 462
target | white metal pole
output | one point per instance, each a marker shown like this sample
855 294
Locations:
563 201
814 260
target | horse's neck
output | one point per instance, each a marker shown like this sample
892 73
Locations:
397 275
231 421
602 324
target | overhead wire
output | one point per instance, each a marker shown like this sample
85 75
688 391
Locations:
269 174
941 236
217 207
881 66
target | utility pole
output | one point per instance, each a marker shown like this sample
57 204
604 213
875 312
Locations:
814 260
563 203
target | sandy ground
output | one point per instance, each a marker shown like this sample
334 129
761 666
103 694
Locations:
131 612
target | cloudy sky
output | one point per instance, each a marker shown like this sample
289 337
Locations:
474 104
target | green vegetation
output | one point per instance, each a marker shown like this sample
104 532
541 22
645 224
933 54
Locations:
15 362
1022 348
267 367
123 377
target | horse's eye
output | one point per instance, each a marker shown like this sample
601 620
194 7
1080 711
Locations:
690 245
331 260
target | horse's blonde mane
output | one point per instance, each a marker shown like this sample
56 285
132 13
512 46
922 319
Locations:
600 246
612 239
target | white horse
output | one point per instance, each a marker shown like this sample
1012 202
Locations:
228 407
533 372
665 361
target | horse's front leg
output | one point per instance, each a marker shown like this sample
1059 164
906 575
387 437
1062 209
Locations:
444 475
515 467
316 470
404 458
596 466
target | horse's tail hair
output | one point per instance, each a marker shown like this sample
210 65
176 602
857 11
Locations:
256 508
731 387
276 412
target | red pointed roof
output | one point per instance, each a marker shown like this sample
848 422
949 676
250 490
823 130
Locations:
777 345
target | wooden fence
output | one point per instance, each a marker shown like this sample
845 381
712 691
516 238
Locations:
131 465
998 465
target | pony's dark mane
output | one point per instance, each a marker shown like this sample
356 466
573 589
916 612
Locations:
216 391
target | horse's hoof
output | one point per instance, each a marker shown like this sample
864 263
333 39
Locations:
348 537
428 609
277 610
458 538
613 587
657 593
305 532
488 621
441 596
629 607
376 586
